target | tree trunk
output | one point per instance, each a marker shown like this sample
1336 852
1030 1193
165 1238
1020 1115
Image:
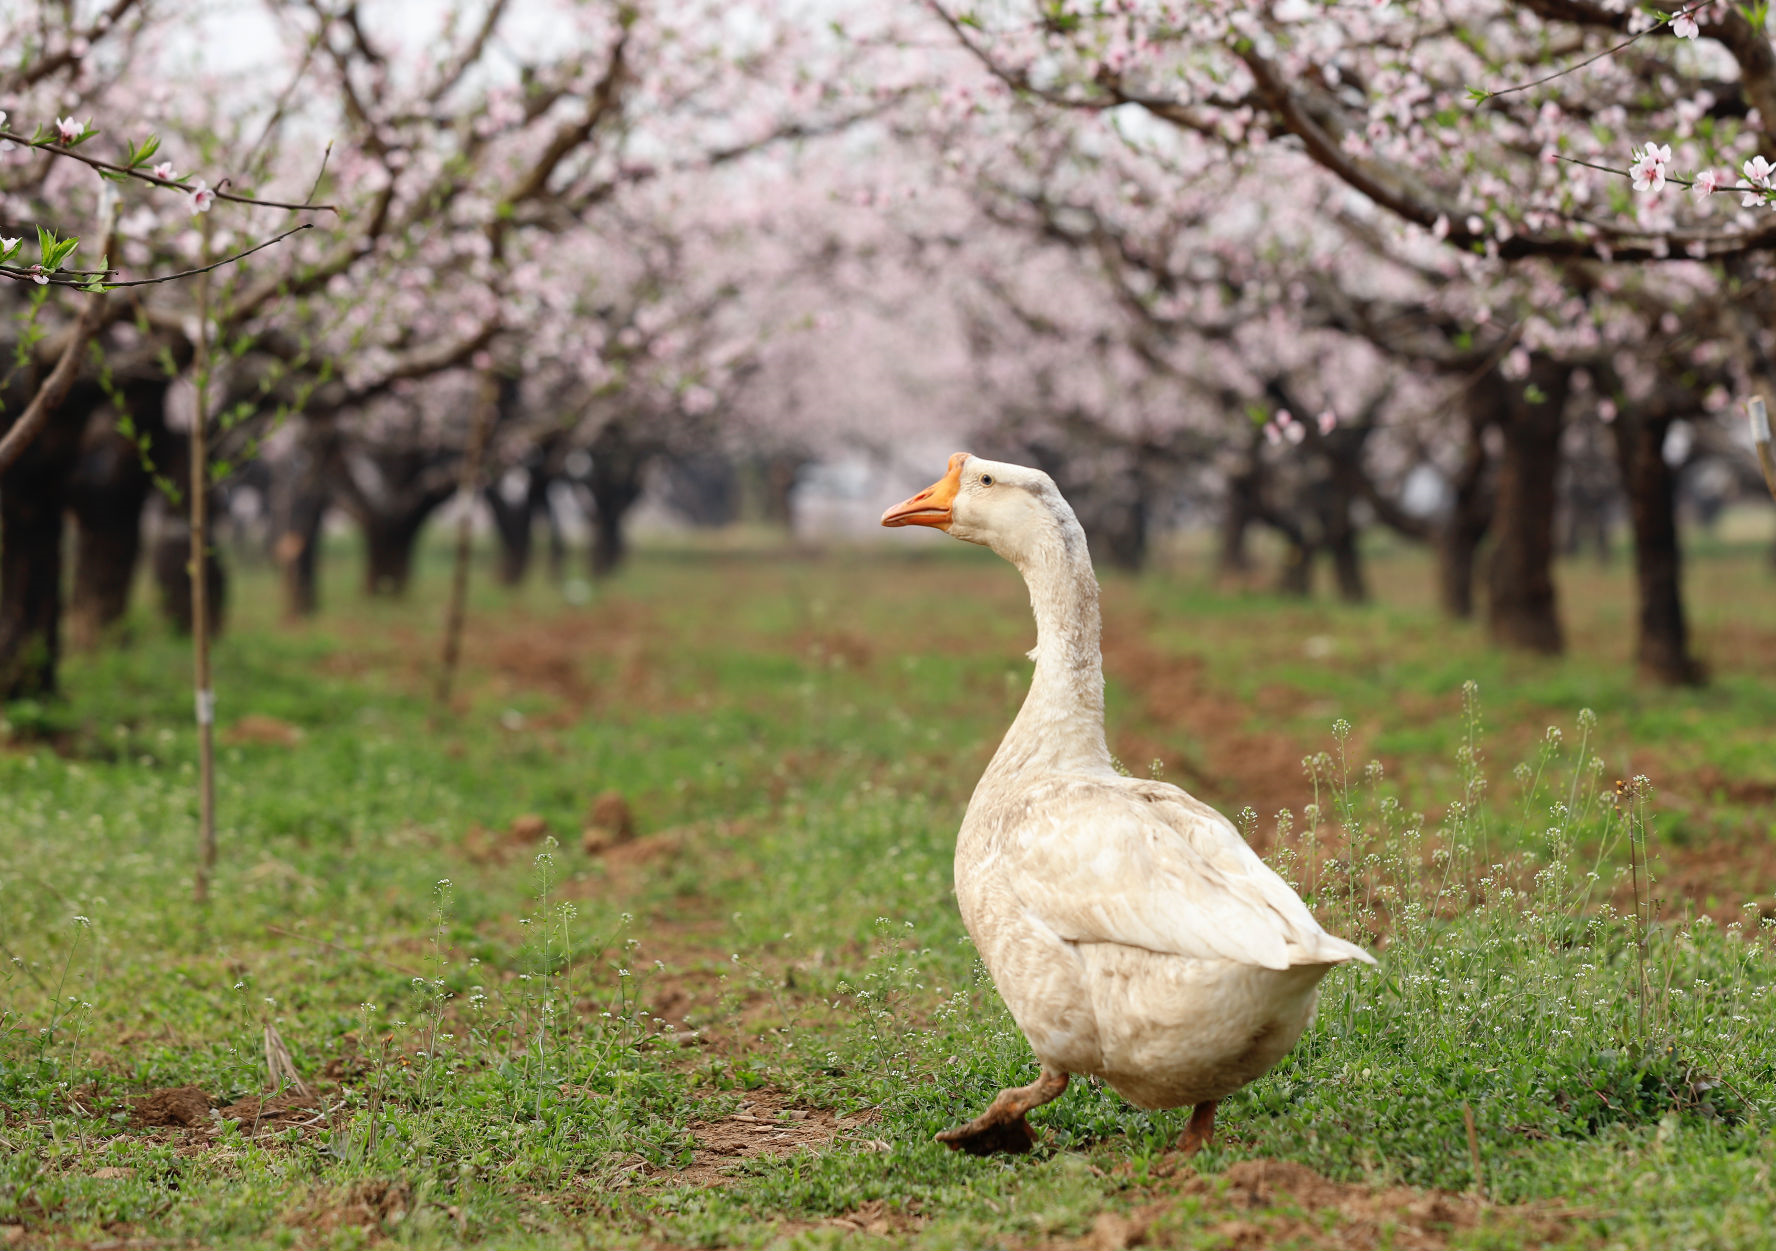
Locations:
515 523
616 485
1347 564
1119 536
107 548
30 584
298 514
1237 516
1662 648
1470 516
1521 610
172 572
1296 575
33 497
389 543
1344 452
298 554
107 494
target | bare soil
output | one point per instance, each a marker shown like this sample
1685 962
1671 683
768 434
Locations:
1258 1205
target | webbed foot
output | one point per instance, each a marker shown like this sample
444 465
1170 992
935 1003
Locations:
1002 1126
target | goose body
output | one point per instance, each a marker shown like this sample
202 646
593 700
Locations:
1131 931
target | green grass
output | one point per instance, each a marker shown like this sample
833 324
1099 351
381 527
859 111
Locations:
529 1045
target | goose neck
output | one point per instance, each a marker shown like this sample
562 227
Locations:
1061 723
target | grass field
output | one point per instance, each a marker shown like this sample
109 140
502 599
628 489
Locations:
743 1027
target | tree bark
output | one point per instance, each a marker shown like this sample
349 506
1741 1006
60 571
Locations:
172 573
617 466
300 498
389 543
1470 516
1237 515
1118 537
30 582
515 523
33 499
1296 575
107 493
1343 449
1521 611
1662 645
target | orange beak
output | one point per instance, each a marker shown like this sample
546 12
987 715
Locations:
930 507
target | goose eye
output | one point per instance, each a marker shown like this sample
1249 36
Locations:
986 479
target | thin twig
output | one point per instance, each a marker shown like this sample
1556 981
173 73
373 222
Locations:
204 269
84 279
55 148
1608 169
1610 51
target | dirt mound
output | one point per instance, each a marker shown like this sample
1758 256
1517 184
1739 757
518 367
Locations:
254 728
183 1106
610 823
1281 1203
261 1116
763 1125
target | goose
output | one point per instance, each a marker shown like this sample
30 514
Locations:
1130 930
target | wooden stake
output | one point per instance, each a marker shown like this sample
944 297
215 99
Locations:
467 485
200 592
1760 437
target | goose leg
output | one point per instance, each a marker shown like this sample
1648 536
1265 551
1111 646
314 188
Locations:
1002 1126
1201 1130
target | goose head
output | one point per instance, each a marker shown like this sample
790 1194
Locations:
1012 509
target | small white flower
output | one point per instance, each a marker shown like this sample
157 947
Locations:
67 129
201 197
163 171
1684 26
1758 171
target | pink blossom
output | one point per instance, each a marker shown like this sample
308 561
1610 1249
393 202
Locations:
1684 26
163 171
1328 421
1758 171
1648 170
201 197
1706 184
38 276
67 129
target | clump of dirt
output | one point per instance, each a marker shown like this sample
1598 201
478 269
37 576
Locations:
1290 1202
255 728
259 1115
485 846
183 1106
763 1125
610 823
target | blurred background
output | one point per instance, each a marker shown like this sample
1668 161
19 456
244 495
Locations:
594 279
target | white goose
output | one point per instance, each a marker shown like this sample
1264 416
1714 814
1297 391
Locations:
1129 928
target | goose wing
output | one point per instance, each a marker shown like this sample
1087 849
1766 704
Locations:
1146 865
